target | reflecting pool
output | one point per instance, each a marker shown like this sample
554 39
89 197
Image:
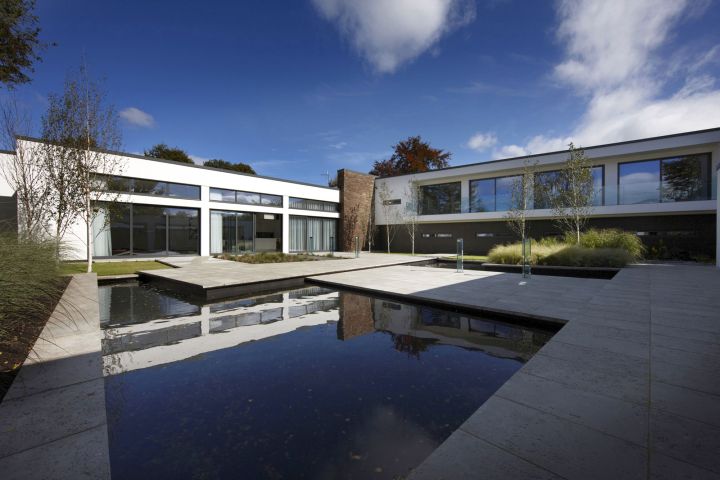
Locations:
307 383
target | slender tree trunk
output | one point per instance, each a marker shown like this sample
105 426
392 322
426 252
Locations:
88 233
387 233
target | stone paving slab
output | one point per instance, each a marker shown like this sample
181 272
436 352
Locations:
221 278
628 388
52 421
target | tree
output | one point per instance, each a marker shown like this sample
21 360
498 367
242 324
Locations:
573 200
411 156
163 152
521 199
19 43
410 212
225 165
24 173
76 130
390 213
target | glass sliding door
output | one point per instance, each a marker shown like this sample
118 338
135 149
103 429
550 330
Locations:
298 234
268 232
129 229
245 235
149 230
311 234
183 231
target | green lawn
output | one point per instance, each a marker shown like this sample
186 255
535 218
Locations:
111 268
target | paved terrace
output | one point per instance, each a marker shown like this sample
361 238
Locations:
52 421
213 279
629 388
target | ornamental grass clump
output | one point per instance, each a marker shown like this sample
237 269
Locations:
561 254
30 287
611 238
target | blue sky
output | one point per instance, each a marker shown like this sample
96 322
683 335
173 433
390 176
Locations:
298 87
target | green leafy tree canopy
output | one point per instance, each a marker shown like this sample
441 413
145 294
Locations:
411 156
225 165
162 151
19 43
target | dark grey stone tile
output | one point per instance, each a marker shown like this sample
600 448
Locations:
684 439
686 402
694 377
663 467
625 420
463 456
558 445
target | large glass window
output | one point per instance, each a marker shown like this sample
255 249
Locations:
130 229
222 195
240 232
247 198
311 234
440 199
674 179
268 232
482 195
316 205
685 178
503 192
143 186
548 184
183 230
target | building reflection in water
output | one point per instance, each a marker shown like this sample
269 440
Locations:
145 327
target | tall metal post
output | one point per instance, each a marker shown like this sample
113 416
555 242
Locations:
357 246
459 255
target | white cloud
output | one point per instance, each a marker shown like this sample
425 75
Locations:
137 117
482 141
612 59
390 33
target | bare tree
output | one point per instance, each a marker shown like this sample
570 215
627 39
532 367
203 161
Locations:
76 130
573 200
521 199
389 212
410 212
24 173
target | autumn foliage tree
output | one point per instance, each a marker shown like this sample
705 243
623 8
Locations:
411 156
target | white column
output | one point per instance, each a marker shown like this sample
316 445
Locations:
286 225
205 221
611 183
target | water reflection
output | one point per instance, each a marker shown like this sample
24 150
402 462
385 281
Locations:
309 383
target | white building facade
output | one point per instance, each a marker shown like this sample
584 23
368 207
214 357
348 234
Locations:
163 208
663 188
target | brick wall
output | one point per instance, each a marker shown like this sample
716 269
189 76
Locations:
356 195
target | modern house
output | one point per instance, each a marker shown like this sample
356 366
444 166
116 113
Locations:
664 188
164 208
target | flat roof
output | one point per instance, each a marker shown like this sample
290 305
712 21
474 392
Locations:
535 155
183 164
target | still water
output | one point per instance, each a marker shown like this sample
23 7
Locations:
307 383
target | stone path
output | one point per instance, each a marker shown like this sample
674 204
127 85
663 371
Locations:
214 279
629 388
52 421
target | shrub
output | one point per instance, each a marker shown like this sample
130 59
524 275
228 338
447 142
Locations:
561 254
275 257
575 256
29 289
611 238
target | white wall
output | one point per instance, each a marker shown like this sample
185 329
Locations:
144 168
608 156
